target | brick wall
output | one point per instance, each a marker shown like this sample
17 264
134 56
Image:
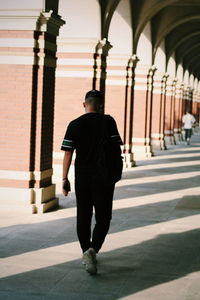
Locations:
15 94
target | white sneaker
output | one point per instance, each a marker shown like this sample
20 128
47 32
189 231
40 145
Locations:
89 260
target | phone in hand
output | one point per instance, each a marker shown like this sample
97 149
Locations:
66 185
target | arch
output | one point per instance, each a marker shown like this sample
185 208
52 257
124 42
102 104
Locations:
195 59
196 83
144 47
179 73
196 69
120 31
170 26
191 80
181 35
160 58
89 23
107 15
183 39
186 51
171 66
186 77
148 10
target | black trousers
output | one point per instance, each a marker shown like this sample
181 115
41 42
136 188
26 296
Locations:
91 194
188 134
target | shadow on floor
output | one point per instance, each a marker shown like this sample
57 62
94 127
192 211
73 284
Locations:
122 272
24 238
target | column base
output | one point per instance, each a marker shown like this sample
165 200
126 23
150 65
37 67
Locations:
158 145
44 199
178 137
170 140
45 207
128 160
142 152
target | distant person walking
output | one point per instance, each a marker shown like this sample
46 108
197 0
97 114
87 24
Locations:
188 121
98 166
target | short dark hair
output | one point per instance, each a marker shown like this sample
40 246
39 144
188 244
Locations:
94 98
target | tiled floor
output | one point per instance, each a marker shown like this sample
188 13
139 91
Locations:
152 250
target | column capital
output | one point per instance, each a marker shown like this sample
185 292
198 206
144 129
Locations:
152 69
30 20
133 61
48 21
103 47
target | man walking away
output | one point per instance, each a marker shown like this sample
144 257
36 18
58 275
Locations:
88 134
188 121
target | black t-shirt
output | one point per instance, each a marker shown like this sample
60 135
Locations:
84 133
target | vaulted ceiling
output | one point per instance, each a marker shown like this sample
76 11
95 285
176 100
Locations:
177 22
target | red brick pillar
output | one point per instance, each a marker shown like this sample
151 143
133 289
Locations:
187 104
195 110
163 111
176 111
157 135
198 108
143 98
129 112
179 112
28 97
194 103
169 111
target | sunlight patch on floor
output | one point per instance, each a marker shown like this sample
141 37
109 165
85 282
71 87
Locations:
53 256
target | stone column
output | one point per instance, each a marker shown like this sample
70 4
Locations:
169 112
186 98
163 112
129 111
198 109
150 104
43 112
175 109
143 112
157 135
28 60
194 106
100 65
179 96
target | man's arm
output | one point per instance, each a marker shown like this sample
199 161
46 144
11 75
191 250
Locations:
66 164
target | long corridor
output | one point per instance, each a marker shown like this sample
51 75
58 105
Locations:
152 251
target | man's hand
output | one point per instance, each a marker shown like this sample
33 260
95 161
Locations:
66 187
66 164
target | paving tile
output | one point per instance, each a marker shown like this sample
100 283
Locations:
151 252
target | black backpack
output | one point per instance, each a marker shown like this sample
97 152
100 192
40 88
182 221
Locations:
109 162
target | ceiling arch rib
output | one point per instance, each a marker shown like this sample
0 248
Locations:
190 58
191 61
158 38
196 71
191 66
177 27
109 10
176 22
180 36
148 9
186 49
